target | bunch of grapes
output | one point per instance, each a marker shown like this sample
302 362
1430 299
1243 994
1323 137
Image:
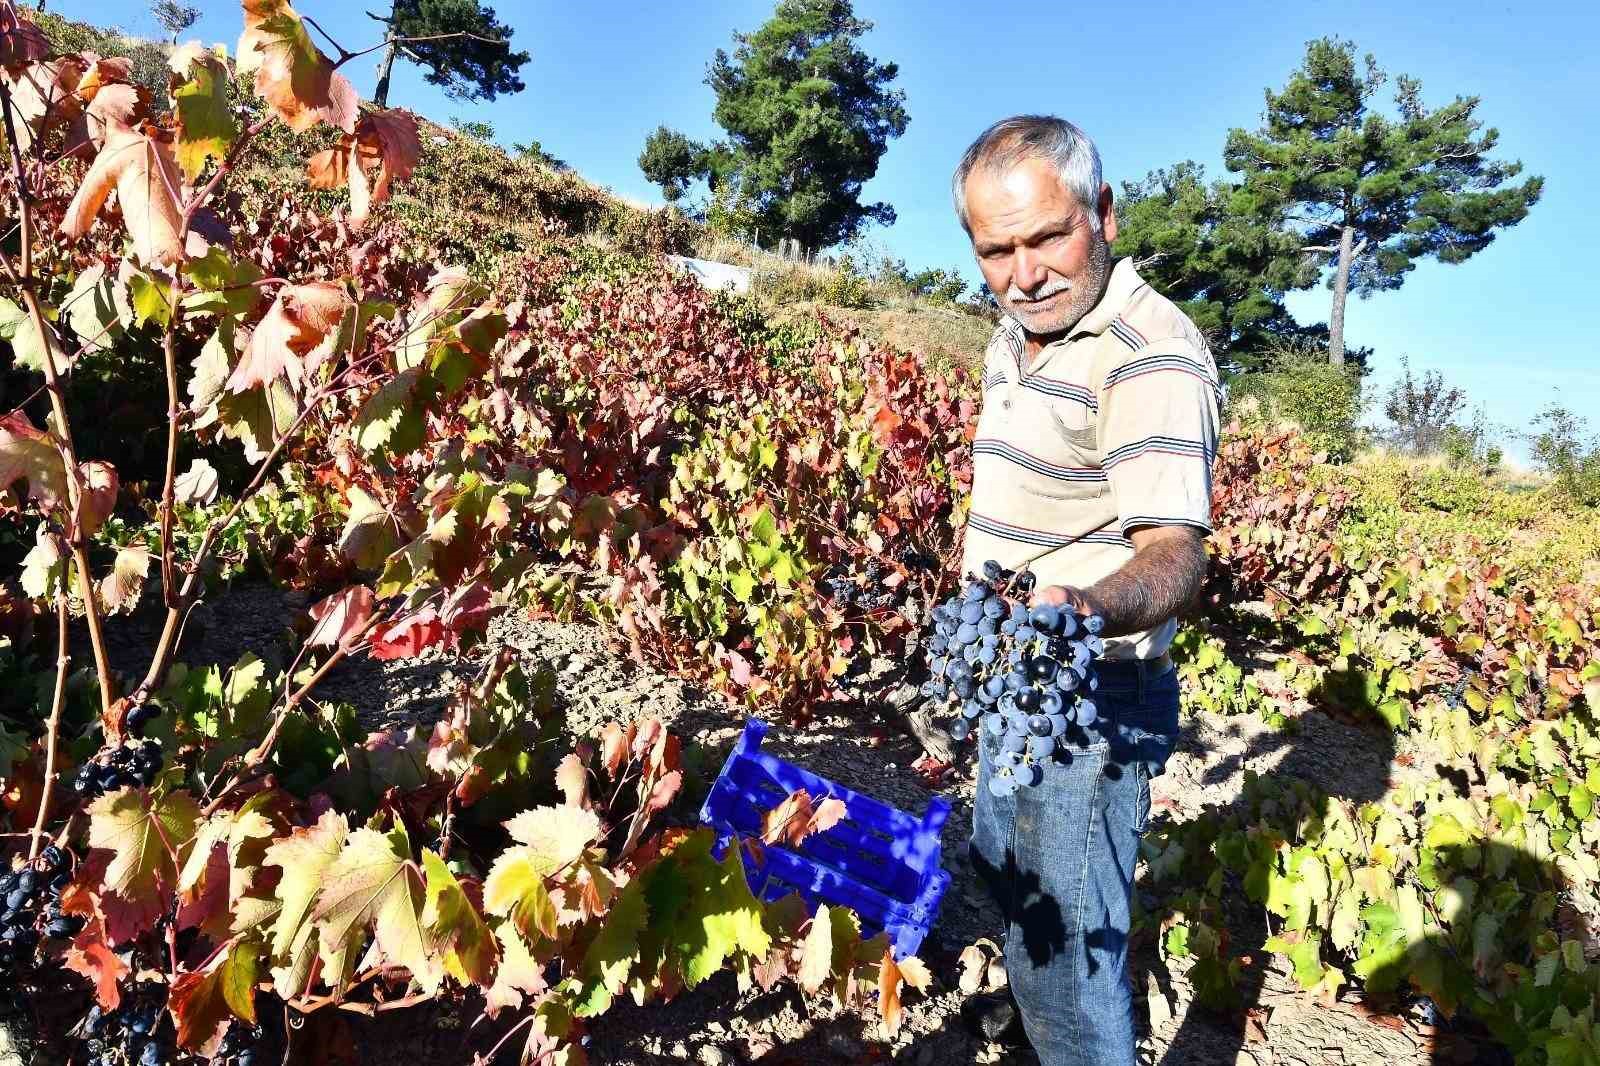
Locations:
1024 675
128 1036
241 1046
30 910
134 763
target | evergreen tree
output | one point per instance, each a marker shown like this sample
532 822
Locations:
469 55
808 115
1211 248
1372 193
174 17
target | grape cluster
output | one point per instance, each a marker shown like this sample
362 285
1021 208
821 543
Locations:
128 1036
1023 675
30 910
241 1046
134 763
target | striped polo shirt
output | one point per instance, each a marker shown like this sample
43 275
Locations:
1110 428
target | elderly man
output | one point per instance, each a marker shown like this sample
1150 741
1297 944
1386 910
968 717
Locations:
1092 468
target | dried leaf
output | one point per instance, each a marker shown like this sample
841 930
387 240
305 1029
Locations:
119 589
197 485
99 493
572 778
145 176
816 951
384 148
289 338
21 42
28 453
295 79
889 993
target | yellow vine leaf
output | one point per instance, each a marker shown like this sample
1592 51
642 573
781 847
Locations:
199 91
455 927
147 837
549 839
304 856
373 883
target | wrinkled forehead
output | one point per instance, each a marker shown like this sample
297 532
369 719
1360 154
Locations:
1019 195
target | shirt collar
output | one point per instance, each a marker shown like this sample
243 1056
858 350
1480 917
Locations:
1120 288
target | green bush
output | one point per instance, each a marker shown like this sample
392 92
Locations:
649 233
1563 452
1322 399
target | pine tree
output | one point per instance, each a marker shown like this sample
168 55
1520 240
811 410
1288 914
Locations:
465 50
1372 193
808 116
1210 248
174 17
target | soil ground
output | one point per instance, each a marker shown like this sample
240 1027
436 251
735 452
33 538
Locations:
859 746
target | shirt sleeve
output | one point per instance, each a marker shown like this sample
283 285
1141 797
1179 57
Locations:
1158 435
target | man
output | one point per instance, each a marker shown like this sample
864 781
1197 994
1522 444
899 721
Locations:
1091 468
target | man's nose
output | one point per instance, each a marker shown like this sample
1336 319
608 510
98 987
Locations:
1027 270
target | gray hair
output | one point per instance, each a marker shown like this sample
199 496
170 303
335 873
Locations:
1013 140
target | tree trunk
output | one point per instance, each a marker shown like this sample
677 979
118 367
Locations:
380 95
1341 292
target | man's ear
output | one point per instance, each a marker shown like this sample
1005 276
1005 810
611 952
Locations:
1108 213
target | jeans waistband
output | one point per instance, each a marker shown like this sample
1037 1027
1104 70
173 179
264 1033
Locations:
1133 669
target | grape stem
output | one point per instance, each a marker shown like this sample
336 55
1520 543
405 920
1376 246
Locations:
53 730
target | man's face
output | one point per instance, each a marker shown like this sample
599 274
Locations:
1037 246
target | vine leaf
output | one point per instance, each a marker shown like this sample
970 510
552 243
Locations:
613 952
295 79
549 839
203 1002
199 92
816 951
304 856
91 957
722 917
572 778
145 177
295 336
384 147
453 918
198 485
144 836
519 973
100 485
374 883
28 453
119 589
342 617
21 42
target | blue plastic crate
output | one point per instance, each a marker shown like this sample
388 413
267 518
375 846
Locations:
879 861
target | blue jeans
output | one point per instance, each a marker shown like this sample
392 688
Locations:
1059 859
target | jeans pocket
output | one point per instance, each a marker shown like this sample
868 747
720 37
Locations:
1141 810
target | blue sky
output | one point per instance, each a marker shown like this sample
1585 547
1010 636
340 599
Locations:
1152 84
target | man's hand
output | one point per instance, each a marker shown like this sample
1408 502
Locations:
1165 573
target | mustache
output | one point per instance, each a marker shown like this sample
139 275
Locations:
1016 295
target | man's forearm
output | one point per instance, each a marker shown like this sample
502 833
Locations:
1150 588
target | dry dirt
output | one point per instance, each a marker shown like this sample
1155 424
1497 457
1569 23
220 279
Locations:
860 746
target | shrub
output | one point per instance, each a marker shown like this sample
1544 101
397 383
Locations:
1324 400
1563 453
1421 410
649 233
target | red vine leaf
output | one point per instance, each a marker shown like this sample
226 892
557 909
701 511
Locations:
407 637
21 42
90 957
203 1002
384 148
342 617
